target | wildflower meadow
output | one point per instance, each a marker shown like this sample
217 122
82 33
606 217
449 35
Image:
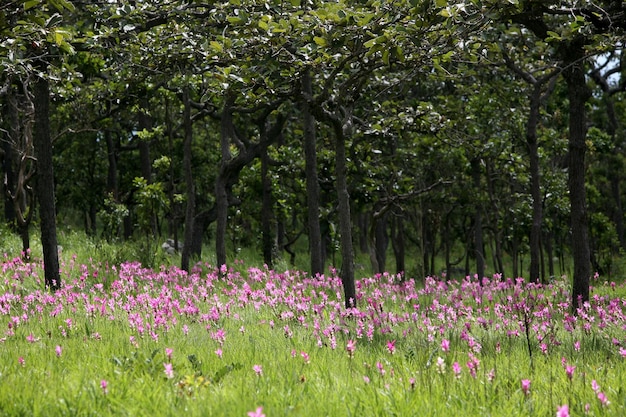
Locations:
247 341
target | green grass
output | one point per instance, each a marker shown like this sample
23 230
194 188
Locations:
102 345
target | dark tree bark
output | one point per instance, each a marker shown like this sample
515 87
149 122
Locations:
535 181
536 97
478 221
312 185
397 243
190 190
19 164
221 191
231 167
267 214
8 166
578 94
343 130
112 155
45 182
381 242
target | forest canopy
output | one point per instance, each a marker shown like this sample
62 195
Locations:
464 138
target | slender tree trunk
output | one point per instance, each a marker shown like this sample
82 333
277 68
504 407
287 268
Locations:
478 222
221 192
578 93
190 190
312 185
343 130
397 243
535 181
381 242
45 182
267 239
8 165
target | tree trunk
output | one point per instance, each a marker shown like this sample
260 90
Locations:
397 243
221 193
578 93
266 212
8 165
312 185
45 182
381 242
535 181
478 221
343 130
190 191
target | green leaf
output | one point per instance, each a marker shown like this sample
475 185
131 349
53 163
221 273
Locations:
216 46
553 35
61 5
386 57
319 40
376 41
442 3
30 4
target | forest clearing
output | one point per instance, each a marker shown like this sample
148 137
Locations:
247 341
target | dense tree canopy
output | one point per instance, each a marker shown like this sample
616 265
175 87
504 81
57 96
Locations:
459 137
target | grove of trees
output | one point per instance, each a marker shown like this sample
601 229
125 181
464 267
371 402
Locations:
486 133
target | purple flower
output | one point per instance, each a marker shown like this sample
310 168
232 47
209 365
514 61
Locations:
104 385
58 350
257 413
456 368
445 345
562 411
258 369
391 346
526 386
603 398
169 370
351 347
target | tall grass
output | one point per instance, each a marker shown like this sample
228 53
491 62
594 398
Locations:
122 339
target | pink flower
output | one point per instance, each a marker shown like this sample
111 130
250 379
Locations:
603 398
258 369
456 368
257 413
168 353
391 346
622 352
20 360
381 368
594 386
169 370
445 345
351 347
58 350
577 346
526 386
366 379
562 411
103 385
218 352
305 356
569 371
